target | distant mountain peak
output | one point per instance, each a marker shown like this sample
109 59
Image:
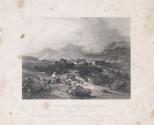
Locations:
47 50
122 44
71 47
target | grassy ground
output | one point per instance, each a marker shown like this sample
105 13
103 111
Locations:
96 78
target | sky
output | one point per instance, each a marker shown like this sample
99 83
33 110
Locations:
92 33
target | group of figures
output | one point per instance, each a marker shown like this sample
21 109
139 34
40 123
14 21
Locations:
54 79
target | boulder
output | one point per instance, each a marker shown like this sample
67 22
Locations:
81 91
79 79
68 82
71 76
117 85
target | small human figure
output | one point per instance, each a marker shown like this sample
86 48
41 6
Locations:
54 78
54 75
58 79
49 81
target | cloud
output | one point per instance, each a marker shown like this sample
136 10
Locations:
91 33
95 33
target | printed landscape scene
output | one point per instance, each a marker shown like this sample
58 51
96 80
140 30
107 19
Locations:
77 58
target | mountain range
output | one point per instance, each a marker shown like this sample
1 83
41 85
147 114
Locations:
115 51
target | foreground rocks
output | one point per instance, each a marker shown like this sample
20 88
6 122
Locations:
79 91
73 85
